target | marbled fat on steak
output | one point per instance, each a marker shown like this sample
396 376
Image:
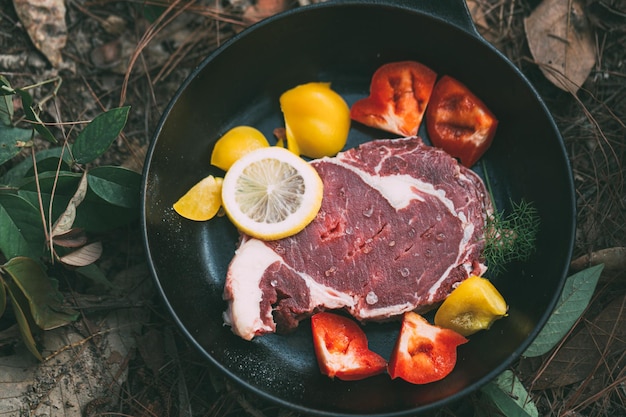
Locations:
401 224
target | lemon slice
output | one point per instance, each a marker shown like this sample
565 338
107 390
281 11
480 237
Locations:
235 143
271 193
202 201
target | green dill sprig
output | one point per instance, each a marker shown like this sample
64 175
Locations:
509 237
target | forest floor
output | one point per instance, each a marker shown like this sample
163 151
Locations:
123 52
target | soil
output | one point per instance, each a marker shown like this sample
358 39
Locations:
162 374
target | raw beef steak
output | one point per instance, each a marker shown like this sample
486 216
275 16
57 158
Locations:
401 224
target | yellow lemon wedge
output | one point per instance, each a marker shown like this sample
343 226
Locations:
271 193
202 201
472 306
234 144
317 120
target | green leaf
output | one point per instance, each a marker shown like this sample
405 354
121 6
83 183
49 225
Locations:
44 299
5 87
63 183
116 185
152 12
24 321
50 164
509 396
9 141
577 293
27 104
3 298
99 216
93 215
95 274
21 229
98 135
6 102
25 168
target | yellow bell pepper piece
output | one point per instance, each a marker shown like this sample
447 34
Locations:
317 120
472 306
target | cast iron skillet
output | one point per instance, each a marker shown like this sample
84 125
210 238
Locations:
344 42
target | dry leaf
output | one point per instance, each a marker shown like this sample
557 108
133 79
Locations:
613 259
66 220
83 256
478 11
151 348
17 373
44 21
561 42
73 376
85 363
73 238
114 25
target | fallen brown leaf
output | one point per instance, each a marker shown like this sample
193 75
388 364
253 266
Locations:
151 348
83 256
478 11
44 21
561 42
77 369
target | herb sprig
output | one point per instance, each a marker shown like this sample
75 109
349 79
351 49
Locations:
509 237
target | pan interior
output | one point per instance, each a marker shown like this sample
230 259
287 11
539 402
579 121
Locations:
240 85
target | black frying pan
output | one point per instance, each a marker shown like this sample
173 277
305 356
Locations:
344 42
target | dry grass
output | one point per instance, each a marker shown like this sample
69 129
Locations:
174 381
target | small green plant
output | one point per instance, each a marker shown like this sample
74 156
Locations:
509 236
51 203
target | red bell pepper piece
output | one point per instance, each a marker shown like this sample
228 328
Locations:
399 94
459 122
341 348
423 352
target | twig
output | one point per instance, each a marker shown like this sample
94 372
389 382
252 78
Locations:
163 20
47 235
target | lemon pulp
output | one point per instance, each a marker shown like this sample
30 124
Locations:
271 193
